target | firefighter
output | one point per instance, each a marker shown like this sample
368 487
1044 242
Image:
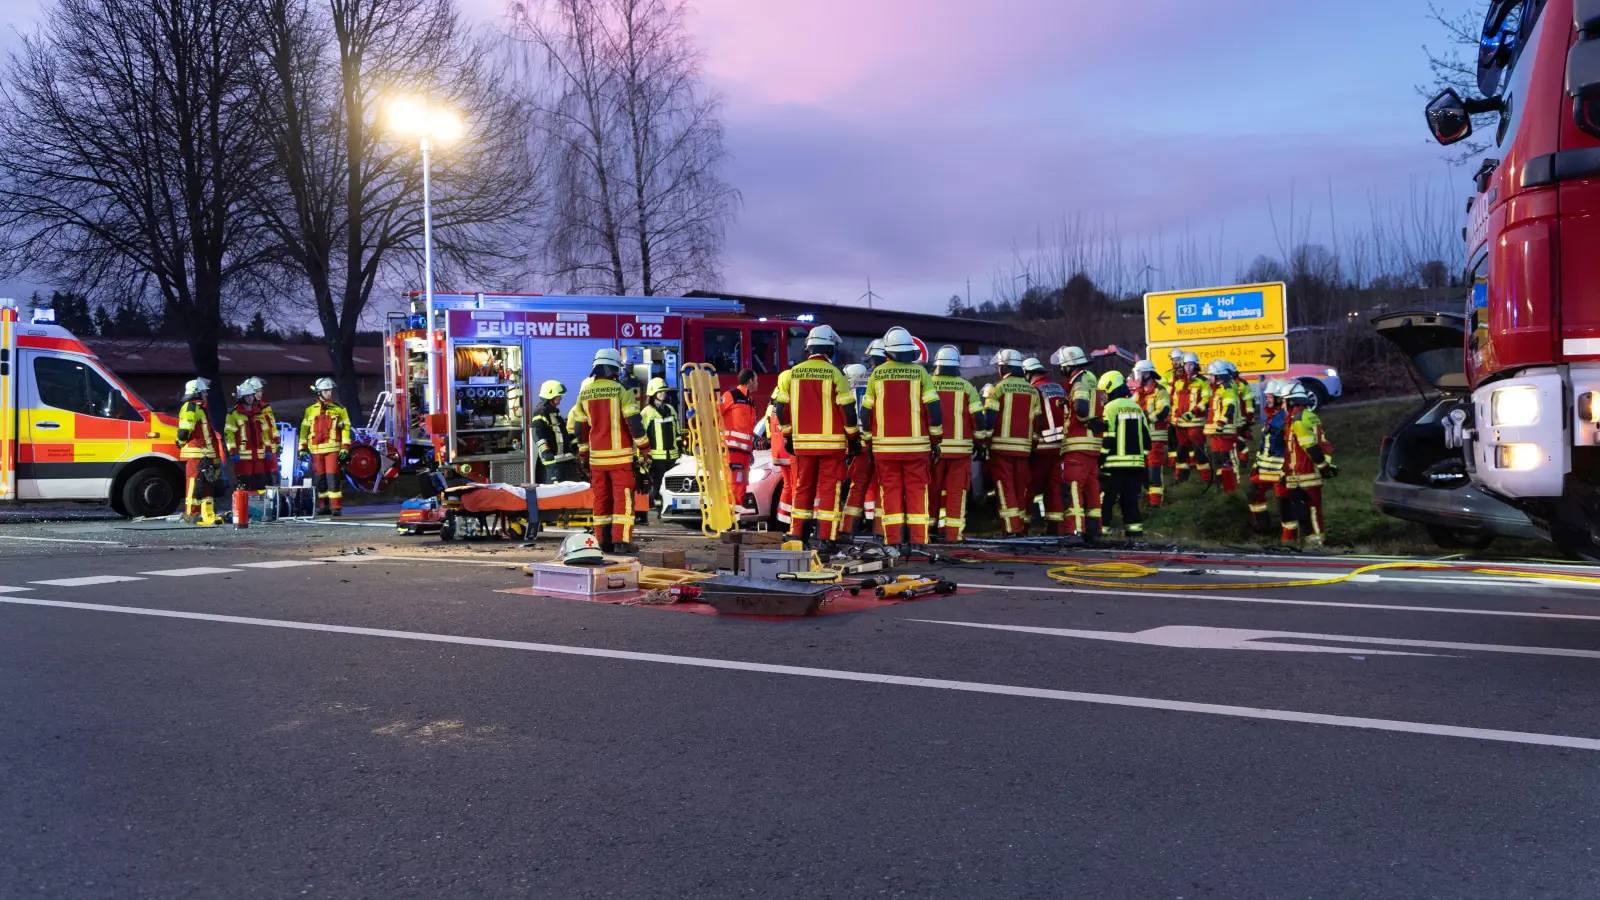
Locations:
861 498
200 451
739 432
1127 454
251 435
605 420
903 418
1174 368
557 458
1308 459
1044 467
1153 398
660 420
1081 457
1191 402
1013 414
874 357
964 418
1266 470
325 435
1221 430
815 408
772 430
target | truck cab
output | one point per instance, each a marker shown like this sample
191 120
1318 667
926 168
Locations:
1531 354
70 430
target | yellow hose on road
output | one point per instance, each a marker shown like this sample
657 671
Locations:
1096 575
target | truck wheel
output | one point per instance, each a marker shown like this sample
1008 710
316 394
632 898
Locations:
150 492
1451 539
1318 390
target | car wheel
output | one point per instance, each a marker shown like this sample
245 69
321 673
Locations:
773 522
1319 391
150 492
447 531
1452 539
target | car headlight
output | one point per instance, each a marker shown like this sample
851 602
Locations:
1513 407
1332 373
1520 457
760 473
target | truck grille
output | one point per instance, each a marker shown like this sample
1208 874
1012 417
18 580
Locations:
681 484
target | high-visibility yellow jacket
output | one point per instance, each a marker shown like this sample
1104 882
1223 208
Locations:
1303 433
1191 401
961 411
196 438
1227 410
251 431
1127 439
1081 437
814 395
661 426
325 428
1157 406
897 400
606 422
1014 410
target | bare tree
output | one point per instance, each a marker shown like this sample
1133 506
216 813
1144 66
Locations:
1456 66
126 154
345 196
637 142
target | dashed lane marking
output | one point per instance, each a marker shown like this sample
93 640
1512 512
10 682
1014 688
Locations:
185 573
1176 595
86 580
1240 712
279 564
427 559
12 590
15 537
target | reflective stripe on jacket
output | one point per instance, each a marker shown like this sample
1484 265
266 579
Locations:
550 436
1127 440
661 426
959 407
251 432
815 395
1014 407
606 422
1227 411
325 428
738 421
1080 437
1053 405
202 443
897 398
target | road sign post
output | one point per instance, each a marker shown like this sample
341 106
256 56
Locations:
1245 324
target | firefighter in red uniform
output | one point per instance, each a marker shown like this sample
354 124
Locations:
201 453
861 496
1080 461
251 435
611 441
815 408
739 433
1157 406
1308 459
964 433
1224 419
1191 403
1045 467
903 418
1013 414
325 435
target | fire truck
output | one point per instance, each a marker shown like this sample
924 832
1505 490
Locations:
1530 338
71 430
462 396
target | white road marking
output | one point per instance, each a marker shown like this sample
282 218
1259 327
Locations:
1242 712
1202 637
13 590
185 573
14 537
426 559
279 564
87 580
1179 595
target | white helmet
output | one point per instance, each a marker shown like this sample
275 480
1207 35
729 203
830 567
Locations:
1284 388
1298 395
607 356
1008 358
857 373
251 385
1217 367
898 340
1273 388
1144 367
581 550
948 355
823 334
1032 365
876 349
1069 356
196 386
1176 355
322 384
1190 358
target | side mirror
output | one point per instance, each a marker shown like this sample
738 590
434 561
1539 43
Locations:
1448 118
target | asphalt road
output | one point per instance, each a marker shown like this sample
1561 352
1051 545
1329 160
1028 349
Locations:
306 723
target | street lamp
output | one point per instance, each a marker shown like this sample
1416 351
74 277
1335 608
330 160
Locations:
414 117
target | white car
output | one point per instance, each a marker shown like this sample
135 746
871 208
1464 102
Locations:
680 491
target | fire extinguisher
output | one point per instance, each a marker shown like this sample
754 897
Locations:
241 508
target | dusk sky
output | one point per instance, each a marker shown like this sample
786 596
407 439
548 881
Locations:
916 142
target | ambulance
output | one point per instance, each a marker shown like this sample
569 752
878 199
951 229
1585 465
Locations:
71 430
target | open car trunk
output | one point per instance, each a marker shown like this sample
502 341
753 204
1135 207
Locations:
1435 342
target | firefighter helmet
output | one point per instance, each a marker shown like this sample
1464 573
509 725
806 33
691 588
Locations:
948 355
248 387
581 550
196 387
657 385
857 373
876 349
1031 365
552 389
1284 387
1111 380
1217 367
322 384
1273 388
823 335
1190 358
1297 395
897 343
1144 367
606 356
1176 355
1069 357
1008 358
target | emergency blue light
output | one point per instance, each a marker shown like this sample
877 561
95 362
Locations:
416 321
45 316
805 317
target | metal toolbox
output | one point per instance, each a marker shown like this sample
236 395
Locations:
765 563
614 577
762 596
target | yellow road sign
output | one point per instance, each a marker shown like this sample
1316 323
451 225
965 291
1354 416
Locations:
1269 356
1216 314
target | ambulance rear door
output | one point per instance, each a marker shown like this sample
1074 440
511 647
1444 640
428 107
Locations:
75 427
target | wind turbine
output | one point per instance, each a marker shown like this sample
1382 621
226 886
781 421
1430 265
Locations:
869 296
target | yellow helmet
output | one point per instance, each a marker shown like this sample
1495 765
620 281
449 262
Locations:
657 385
550 390
1110 381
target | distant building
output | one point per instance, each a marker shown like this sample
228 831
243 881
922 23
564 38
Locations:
156 368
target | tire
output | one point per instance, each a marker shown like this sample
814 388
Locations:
1451 539
773 522
1319 391
447 531
151 491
